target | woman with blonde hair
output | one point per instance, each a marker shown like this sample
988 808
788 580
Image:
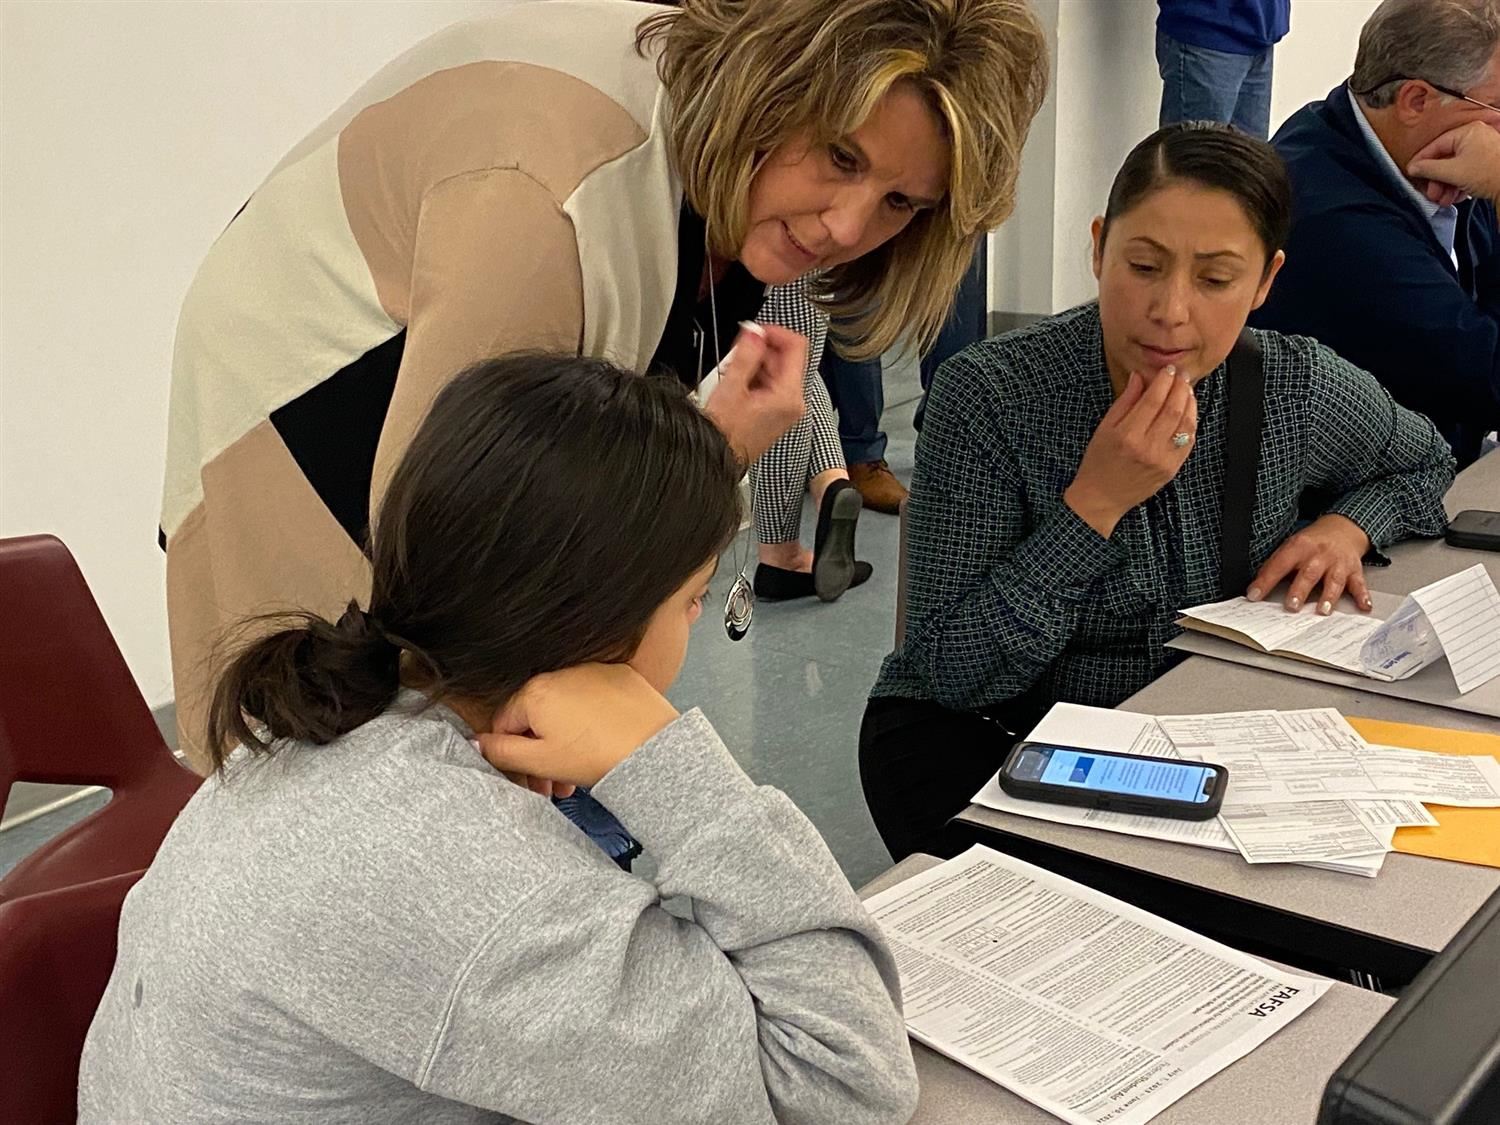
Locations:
600 178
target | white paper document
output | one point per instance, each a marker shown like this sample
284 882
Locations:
1457 617
1307 830
1088 1007
1279 756
1336 640
1381 815
1462 780
1303 786
1097 728
1464 611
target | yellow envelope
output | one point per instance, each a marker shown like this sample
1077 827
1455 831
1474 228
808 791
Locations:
1465 835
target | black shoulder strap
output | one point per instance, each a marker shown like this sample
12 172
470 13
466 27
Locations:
1247 410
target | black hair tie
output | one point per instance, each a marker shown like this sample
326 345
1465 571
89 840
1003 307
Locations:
356 624
364 628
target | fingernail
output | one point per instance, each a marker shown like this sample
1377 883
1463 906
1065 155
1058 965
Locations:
751 326
1255 594
1294 604
1169 369
1325 608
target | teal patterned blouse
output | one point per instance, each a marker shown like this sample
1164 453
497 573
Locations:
1009 592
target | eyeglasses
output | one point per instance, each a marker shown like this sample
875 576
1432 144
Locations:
1440 89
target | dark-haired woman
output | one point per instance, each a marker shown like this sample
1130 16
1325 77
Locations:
1069 481
371 913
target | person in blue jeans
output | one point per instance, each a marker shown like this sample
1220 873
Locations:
858 397
1215 60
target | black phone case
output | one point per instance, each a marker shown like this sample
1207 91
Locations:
1114 802
1475 529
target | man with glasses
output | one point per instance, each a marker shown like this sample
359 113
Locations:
1394 256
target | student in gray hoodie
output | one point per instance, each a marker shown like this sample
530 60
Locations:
373 912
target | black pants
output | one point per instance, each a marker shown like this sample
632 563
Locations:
920 763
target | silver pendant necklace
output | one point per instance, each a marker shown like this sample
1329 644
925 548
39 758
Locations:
739 605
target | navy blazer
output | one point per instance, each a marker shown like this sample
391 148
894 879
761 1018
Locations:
1365 275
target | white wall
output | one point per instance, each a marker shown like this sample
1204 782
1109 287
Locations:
1317 54
1105 98
129 136
1103 110
1020 272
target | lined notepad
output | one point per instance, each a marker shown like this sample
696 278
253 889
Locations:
1464 611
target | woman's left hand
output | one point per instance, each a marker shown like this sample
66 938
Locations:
1329 551
759 396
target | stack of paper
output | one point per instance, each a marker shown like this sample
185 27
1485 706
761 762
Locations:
1457 617
1086 1006
1465 833
1299 786
1304 787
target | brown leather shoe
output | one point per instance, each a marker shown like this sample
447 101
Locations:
878 485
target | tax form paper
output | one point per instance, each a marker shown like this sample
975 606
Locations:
1457 618
1084 1005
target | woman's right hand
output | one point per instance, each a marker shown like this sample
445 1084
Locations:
576 725
759 396
1132 455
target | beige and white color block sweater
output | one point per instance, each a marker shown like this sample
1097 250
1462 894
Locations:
504 185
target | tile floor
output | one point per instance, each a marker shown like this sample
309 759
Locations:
788 698
789 709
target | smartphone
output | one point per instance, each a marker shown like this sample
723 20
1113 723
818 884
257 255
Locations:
1103 779
1474 528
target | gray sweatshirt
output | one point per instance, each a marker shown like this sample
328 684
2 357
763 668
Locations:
384 929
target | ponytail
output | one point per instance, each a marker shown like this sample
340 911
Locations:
480 578
312 682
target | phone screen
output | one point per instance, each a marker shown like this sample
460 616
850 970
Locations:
1105 773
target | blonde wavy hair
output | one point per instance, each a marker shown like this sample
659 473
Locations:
743 76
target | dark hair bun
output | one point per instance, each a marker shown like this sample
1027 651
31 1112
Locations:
1213 156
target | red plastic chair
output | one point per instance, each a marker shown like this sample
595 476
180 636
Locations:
70 714
57 949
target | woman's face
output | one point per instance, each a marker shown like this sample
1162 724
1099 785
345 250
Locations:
1178 275
661 652
818 205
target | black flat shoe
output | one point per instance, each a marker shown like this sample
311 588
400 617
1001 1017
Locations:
777 584
833 546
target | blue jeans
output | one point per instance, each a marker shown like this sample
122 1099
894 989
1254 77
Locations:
1203 85
967 324
859 399
855 388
